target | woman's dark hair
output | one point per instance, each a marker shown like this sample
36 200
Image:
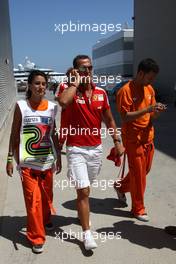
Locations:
148 65
79 57
31 77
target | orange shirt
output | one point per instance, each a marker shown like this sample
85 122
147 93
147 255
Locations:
132 98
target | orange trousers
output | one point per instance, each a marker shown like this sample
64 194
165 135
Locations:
38 196
139 161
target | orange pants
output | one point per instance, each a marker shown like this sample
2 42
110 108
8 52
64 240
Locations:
139 160
38 196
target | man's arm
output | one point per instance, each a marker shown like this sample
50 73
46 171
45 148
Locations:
110 123
66 98
57 149
154 110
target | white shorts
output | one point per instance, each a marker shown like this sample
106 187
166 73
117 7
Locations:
84 164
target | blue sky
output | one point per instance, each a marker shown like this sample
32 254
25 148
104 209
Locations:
33 28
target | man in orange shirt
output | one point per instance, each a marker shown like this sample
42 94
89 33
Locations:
137 106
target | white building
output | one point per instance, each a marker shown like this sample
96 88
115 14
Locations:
114 55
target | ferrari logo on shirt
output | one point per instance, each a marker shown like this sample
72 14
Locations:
95 97
98 97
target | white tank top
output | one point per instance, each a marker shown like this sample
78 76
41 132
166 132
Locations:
36 146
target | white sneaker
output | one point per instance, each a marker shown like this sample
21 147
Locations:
37 248
88 240
143 218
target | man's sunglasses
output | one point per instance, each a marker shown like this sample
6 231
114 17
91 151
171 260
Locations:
85 68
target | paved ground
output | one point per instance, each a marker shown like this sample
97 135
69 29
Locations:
120 238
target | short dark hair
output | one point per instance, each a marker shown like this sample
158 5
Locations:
69 71
31 77
79 57
148 65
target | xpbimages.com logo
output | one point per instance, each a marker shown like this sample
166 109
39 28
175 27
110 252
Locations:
102 80
99 80
102 184
102 28
86 131
103 236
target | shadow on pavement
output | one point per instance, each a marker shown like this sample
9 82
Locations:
71 237
13 228
143 235
107 206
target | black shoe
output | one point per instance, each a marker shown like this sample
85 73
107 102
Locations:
121 196
49 226
37 248
171 230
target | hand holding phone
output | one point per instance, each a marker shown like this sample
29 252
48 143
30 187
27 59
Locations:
74 77
159 107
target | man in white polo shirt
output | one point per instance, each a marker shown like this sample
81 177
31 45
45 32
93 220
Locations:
88 106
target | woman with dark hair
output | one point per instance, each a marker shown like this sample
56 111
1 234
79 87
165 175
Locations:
35 147
31 77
